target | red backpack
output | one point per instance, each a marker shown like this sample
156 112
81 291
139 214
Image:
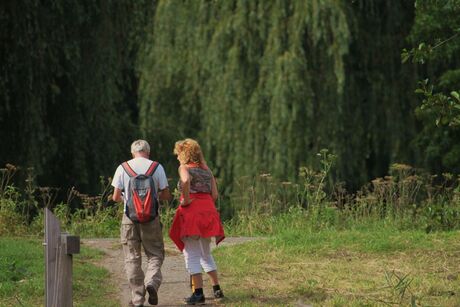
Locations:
142 201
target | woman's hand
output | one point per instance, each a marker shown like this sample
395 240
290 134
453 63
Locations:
185 202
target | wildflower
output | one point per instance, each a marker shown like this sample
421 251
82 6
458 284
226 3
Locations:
11 167
400 167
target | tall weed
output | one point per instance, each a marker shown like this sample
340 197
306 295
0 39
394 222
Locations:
22 212
407 198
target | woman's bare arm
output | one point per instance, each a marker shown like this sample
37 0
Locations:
185 184
214 192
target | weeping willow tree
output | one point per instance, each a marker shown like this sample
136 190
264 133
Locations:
241 76
266 84
263 84
68 87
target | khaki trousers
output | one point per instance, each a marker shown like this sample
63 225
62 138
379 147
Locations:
150 237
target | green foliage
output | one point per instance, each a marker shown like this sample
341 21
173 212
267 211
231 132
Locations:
263 84
436 32
68 86
408 199
446 108
11 221
436 29
21 214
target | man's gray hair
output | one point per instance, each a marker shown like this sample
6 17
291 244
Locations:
140 146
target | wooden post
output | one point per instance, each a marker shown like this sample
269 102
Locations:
59 248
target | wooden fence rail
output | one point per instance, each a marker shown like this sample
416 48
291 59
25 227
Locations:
59 248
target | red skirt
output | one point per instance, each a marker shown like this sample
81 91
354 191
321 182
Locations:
200 218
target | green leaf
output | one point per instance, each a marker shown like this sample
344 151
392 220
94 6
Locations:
405 56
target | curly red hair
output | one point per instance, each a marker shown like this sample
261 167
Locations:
188 151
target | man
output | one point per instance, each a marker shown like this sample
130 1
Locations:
148 234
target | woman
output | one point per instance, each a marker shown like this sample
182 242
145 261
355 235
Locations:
196 219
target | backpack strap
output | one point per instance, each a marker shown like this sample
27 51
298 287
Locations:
153 167
128 169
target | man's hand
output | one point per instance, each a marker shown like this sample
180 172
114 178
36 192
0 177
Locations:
165 195
116 196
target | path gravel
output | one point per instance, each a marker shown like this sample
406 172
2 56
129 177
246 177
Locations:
175 284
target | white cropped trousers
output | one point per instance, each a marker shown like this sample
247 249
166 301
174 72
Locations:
197 254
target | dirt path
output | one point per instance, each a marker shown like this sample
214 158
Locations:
175 285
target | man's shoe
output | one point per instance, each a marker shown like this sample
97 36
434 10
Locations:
218 294
195 299
130 304
153 296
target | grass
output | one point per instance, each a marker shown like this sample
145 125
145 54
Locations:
22 275
394 242
373 265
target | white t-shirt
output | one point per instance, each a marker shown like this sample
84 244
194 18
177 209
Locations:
140 166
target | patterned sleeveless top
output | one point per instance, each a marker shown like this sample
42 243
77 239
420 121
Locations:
200 182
